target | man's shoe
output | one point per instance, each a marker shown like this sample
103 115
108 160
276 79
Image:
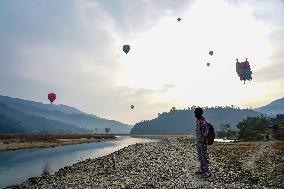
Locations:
199 172
206 174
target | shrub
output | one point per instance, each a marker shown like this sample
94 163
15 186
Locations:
46 170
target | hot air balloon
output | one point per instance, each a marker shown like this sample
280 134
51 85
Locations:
179 19
132 107
107 130
238 66
243 70
247 71
126 48
51 97
211 53
208 64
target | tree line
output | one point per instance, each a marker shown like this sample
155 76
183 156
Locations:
254 128
182 121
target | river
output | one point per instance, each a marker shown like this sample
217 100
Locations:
17 166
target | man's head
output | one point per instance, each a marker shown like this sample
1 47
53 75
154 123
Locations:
198 112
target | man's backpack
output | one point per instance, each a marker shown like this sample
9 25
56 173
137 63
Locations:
211 134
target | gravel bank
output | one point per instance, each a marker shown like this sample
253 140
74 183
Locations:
171 163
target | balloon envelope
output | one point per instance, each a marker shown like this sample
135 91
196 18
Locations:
132 106
243 70
211 53
208 64
51 97
179 19
126 48
107 130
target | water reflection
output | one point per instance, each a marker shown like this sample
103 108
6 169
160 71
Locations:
223 140
18 166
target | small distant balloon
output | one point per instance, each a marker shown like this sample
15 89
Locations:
51 97
107 130
179 19
126 48
132 107
211 53
208 64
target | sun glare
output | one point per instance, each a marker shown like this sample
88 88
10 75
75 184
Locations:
176 53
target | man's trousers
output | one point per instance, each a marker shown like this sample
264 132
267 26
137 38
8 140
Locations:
203 156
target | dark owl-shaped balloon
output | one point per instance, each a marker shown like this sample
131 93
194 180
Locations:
126 48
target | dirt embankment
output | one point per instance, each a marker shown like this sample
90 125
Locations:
16 142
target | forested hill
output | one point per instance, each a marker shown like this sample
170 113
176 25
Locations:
65 114
183 121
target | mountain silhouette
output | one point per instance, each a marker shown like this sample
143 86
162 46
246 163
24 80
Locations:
273 108
66 114
183 121
15 122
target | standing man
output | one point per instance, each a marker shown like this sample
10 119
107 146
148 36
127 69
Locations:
201 141
267 137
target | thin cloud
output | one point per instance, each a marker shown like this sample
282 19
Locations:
166 87
271 12
273 73
136 16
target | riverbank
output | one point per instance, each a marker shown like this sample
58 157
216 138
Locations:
171 163
17 142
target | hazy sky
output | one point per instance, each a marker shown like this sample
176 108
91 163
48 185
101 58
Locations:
74 48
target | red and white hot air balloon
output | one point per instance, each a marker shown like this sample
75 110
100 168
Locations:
51 97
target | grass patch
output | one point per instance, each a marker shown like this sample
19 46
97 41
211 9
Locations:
246 145
51 138
278 146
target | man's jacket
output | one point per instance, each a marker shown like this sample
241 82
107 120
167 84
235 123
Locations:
201 130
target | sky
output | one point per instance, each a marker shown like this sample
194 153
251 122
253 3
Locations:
74 48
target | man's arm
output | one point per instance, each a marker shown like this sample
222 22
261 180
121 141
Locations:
206 126
204 130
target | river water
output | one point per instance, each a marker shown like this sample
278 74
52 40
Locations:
17 166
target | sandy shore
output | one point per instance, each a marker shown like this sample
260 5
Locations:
23 142
171 163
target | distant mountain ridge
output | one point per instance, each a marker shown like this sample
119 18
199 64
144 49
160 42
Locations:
65 114
273 108
15 122
18 103
183 121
